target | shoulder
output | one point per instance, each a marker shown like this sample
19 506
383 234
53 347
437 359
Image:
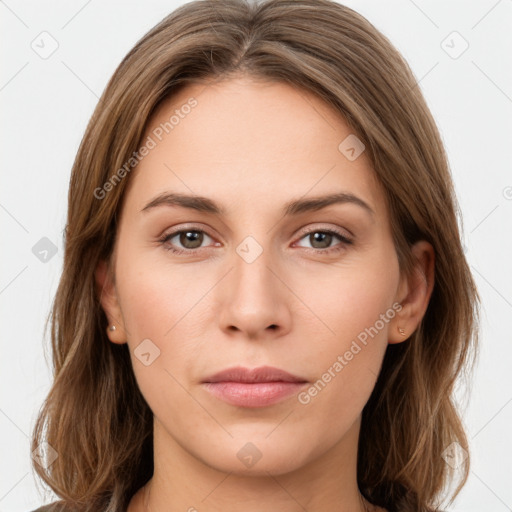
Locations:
60 506
63 506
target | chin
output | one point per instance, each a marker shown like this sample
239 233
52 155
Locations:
256 456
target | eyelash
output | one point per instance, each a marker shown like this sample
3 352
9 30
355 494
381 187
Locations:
344 239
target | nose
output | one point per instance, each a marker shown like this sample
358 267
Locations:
254 299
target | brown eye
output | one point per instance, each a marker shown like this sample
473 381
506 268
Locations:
191 239
184 240
321 240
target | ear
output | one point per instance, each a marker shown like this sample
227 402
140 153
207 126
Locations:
106 290
414 293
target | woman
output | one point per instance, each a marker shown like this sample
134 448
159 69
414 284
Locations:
265 302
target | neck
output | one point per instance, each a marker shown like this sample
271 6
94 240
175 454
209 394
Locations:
183 481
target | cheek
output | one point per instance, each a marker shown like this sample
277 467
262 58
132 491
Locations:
163 312
348 299
163 341
357 306
157 298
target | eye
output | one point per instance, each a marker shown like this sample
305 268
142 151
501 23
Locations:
321 239
190 239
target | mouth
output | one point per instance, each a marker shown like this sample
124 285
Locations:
259 387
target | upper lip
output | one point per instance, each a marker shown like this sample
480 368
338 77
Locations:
261 374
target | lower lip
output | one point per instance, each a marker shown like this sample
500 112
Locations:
259 394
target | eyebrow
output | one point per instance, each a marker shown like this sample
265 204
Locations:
295 207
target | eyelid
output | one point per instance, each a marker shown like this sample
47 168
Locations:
174 230
343 232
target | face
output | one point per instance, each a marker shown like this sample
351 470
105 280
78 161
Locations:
260 273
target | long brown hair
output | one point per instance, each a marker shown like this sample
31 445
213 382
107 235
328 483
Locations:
95 417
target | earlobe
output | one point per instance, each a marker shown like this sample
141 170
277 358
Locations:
418 290
107 295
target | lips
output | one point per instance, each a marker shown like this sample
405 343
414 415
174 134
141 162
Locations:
261 374
259 387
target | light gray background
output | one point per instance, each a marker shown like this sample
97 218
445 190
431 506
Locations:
46 104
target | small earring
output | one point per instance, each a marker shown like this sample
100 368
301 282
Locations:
112 328
401 331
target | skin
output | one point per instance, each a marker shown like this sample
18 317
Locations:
252 146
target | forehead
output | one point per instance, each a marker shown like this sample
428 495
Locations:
249 142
